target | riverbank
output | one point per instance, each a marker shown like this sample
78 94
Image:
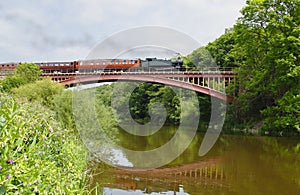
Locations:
38 156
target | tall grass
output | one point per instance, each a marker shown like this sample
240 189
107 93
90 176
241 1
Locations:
36 155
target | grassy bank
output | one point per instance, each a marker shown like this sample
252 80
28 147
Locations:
37 155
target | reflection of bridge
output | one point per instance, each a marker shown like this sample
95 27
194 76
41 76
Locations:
209 169
198 174
212 83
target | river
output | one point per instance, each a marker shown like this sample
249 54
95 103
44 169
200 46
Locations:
235 165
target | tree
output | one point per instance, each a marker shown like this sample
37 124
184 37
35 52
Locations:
268 35
201 58
23 74
42 91
222 50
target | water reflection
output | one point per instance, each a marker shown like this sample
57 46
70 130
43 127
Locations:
235 165
111 191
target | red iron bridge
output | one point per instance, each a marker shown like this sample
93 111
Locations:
211 81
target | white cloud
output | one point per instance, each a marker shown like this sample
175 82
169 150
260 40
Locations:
50 29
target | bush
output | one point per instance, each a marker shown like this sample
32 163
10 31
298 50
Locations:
36 155
23 74
42 91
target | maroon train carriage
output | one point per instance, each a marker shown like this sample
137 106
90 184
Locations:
57 67
107 65
8 66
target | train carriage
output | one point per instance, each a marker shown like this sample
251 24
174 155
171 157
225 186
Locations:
57 67
107 65
8 66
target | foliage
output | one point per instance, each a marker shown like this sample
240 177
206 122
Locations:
146 95
265 45
93 120
187 63
286 114
62 105
23 74
268 35
37 156
201 58
42 91
222 50
143 97
220 53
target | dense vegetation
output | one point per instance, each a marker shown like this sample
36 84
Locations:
39 148
268 38
145 96
24 74
42 146
37 155
265 46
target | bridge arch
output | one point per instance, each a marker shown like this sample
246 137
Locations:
146 78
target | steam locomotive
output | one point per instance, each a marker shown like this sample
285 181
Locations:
100 65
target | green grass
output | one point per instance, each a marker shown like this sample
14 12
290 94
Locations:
36 155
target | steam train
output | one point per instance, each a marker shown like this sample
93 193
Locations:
100 65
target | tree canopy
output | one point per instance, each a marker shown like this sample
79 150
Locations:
268 35
265 46
23 74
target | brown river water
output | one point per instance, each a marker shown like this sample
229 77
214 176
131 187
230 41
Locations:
235 165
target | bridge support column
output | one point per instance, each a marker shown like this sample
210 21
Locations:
200 175
208 83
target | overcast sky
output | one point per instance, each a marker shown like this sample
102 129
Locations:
50 30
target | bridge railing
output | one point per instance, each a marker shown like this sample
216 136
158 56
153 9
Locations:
209 70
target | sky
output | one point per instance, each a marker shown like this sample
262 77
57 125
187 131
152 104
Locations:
63 30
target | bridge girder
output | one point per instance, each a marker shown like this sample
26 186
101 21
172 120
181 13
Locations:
83 79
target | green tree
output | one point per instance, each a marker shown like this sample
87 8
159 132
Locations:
201 58
42 91
268 35
222 50
62 105
23 74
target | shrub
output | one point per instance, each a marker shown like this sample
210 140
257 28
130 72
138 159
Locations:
36 155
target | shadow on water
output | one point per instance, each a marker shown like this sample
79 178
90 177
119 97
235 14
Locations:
235 165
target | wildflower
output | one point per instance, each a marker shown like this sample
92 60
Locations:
36 181
10 161
1 168
50 129
18 148
8 176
